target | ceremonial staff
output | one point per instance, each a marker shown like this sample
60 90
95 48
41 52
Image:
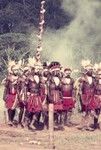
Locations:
41 30
37 56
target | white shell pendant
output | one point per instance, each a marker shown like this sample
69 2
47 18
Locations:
89 80
99 81
56 80
67 80
36 78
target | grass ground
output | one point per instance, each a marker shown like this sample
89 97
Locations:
70 139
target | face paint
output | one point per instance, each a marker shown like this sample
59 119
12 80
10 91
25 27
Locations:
15 72
56 80
67 73
89 72
46 73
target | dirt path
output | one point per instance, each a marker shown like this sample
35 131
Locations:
69 139
21 139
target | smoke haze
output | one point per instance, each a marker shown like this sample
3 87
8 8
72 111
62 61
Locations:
79 40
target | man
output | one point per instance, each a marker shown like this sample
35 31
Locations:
97 99
34 103
10 93
22 97
43 93
67 87
54 92
87 87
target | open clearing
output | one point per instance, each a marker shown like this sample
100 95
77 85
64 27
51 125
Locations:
70 139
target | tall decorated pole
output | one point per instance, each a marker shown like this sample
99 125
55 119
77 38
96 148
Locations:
41 30
38 60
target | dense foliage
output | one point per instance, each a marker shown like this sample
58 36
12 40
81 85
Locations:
18 17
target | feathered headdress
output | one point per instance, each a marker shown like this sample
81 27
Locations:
86 64
54 66
11 63
31 61
97 68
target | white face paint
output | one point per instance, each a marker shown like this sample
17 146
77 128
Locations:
36 78
44 78
56 80
89 79
14 79
67 73
99 81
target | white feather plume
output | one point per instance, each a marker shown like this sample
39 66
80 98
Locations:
11 63
31 61
96 66
19 63
85 63
100 65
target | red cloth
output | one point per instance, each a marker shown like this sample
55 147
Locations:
67 93
42 94
34 103
89 102
68 103
55 97
97 101
10 99
58 106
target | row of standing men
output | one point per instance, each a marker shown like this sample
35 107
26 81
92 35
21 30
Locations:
31 92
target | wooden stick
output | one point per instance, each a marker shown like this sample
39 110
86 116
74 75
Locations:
51 126
5 116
